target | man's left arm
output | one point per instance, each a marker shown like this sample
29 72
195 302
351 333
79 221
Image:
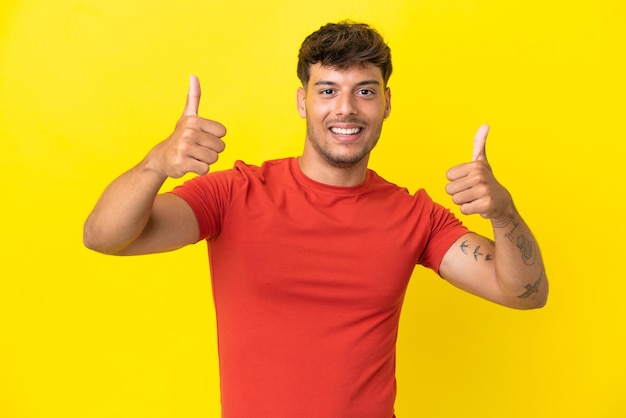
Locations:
509 271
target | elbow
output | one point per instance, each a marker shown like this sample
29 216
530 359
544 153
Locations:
89 237
92 244
537 304
92 240
541 297
525 305
542 303
534 296
538 301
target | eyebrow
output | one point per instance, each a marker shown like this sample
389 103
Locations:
359 84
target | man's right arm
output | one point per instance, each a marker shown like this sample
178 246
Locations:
131 217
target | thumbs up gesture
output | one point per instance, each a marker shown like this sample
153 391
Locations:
473 186
193 146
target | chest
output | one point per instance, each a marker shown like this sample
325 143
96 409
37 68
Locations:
355 252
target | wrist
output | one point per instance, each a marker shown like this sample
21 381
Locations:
150 169
506 217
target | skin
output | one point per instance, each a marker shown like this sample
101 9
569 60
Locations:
509 271
345 110
130 218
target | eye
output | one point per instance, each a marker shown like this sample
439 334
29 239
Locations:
327 92
365 92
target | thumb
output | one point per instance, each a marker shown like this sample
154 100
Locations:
193 97
480 139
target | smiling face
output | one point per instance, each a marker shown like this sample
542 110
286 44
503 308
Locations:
344 111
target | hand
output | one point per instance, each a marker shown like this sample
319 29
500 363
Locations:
193 146
474 187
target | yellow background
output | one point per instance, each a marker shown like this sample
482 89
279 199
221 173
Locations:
88 87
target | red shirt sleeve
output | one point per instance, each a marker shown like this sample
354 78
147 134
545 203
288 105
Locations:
209 197
445 230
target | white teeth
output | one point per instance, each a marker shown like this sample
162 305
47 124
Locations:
342 131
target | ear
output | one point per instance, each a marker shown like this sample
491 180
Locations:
301 102
388 102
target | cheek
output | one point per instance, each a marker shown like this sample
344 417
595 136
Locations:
316 114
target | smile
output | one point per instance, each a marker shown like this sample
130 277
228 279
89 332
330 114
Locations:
345 131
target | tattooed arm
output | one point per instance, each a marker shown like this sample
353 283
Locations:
509 271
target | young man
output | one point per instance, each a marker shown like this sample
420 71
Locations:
310 257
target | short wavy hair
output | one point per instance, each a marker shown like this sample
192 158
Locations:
343 45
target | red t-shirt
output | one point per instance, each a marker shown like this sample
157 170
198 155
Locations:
308 284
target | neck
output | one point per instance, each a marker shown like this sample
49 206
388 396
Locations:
315 168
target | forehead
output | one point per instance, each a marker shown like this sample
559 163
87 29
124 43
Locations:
356 74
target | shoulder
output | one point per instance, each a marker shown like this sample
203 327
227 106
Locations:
379 184
420 203
270 166
241 171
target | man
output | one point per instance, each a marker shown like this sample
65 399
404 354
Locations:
310 257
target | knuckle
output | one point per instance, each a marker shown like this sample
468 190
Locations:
203 168
187 134
183 148
218 129
185 122
177 161
479 178
189 121
212 157
220 145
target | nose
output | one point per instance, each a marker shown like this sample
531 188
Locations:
345 105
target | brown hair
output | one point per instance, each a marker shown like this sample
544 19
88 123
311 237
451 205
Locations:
343 45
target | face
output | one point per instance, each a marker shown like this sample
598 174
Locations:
344 111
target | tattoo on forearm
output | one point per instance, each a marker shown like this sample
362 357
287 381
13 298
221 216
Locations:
532 288
509 234
504 224
527 248
476 253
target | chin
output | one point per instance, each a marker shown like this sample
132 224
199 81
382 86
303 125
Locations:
346 161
